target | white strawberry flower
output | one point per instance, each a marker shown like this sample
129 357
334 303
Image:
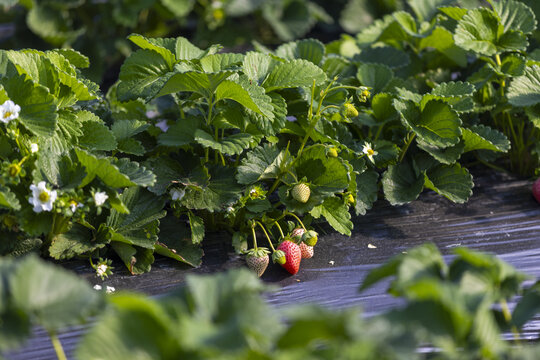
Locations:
34 148
9 111
177 194
97 287
42 198
163 125
368 150
100 197
74 205
110 289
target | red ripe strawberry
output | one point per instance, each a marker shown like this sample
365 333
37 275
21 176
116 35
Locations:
307 251
301 193
536 190
293 254
257 260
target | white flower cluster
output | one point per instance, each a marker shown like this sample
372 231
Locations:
9 111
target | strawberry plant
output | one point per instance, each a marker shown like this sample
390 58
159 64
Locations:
448 311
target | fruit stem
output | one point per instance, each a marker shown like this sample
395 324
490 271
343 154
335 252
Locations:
297 218
508 318
266 233
57 346
254 236
279 228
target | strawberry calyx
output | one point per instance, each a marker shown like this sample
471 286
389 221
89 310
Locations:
258 252
310 238
278 257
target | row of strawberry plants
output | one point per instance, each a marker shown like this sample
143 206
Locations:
261 144
457 310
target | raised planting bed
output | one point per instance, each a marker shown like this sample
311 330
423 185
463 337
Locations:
501 217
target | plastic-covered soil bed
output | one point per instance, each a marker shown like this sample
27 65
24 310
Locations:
501 217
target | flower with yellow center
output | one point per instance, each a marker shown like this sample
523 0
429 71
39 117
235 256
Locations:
9 111
42 198
368 150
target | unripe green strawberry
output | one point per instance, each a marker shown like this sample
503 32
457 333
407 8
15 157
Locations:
350 110
301 193
306 250
297 233
278 257
332 152
310 238
257 260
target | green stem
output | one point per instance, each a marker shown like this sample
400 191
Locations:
408 143
279 228
378 133
266 233
508 317
297 218
493 166
254 237
60 354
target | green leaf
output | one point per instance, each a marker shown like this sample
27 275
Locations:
143 74
196 225
218 62
154 45
513 65
38 110
54 297
166 170
481 31
375 76
384 55
515 15
257 65
180 8
452 181
387 153
295 73
436 124
336 212
453 89
58 170
123 129
220 191
366 191
186 50
74 57
137 174
230 145
250 96
102 168
78 240
97 136
175 242
8 199
193 81
527 307
383 110
453 12
138 260
308 49
481 137
525 90
263 162
426 9
447 155
181 133
328 174
442 40
402 184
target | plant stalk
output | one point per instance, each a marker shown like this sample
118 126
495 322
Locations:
60 354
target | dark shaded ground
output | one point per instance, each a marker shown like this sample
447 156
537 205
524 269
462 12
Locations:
502 217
